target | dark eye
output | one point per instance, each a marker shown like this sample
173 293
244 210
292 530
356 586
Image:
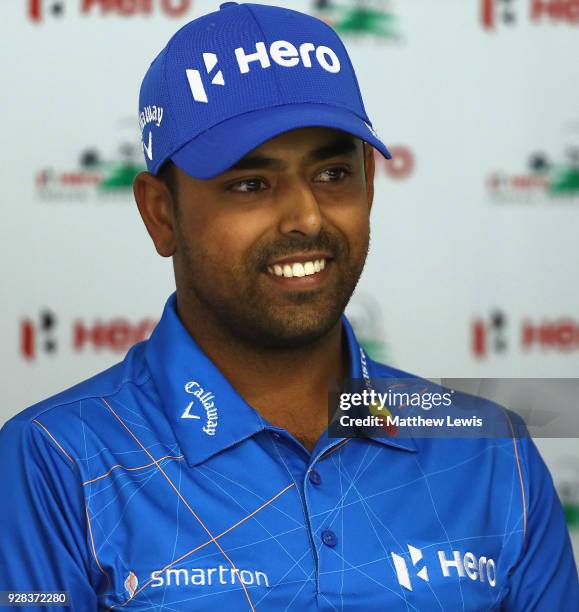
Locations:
246 185
334 174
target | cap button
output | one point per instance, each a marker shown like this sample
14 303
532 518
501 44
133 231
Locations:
227 4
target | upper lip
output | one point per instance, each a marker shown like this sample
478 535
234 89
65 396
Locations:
300 258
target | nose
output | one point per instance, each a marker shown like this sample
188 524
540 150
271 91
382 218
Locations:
300 210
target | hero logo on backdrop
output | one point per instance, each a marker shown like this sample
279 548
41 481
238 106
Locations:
497 12
41 335
97 177
360 20
282 52
460 564
489 336
38 336
546 181
400 167
38 10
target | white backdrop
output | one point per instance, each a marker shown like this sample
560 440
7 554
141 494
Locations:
474 255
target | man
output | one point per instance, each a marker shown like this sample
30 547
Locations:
198 474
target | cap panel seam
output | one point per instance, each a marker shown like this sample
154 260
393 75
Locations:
345 52
169 106
275 75
354 76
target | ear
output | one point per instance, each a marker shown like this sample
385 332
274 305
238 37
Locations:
155 205
369 169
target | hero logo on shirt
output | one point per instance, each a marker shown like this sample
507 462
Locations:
206 399
402 569
282 52
461 565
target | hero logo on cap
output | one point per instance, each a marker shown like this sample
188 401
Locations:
194 78
282 52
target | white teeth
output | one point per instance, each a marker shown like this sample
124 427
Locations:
297 269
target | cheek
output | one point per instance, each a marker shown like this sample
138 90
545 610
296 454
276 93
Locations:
221 240
353 222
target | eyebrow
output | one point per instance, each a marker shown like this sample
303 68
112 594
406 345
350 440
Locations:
343 146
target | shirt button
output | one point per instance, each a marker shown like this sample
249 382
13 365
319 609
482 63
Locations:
315 477
329 538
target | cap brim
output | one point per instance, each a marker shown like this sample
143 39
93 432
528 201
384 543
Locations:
219 147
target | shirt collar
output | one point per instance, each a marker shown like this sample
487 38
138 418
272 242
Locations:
204 410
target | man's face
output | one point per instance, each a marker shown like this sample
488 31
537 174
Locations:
273 247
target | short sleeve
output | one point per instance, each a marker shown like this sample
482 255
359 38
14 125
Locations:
43 544
545 576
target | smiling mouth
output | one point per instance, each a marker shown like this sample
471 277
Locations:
298 269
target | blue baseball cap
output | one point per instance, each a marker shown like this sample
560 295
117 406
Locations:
230 80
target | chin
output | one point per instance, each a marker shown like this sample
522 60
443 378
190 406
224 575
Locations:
294 330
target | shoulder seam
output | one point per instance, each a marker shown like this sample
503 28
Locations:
95 396
54 440
70 461
521 461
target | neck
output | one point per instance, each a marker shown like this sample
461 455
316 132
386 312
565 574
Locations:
288 387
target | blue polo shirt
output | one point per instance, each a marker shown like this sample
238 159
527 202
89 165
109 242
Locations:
155 486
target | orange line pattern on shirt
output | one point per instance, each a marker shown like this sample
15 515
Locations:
180 497
193 550
54 440
520 477
93 546
139 467
86 507
335 448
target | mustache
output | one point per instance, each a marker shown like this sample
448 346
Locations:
324 241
